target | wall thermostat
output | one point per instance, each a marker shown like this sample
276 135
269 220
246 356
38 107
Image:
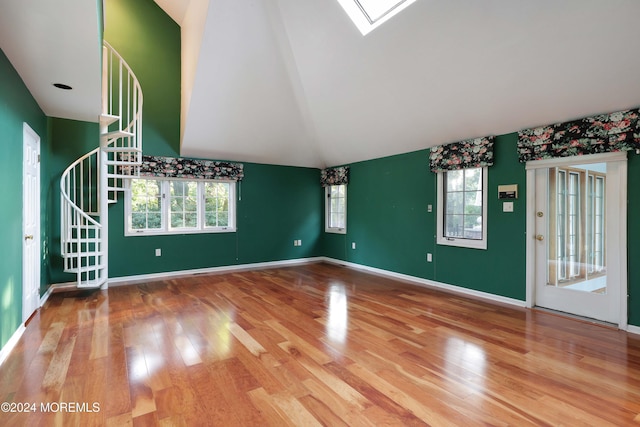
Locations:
508 191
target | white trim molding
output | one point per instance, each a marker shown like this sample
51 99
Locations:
429 283
616 156
127 280
633 329
10 345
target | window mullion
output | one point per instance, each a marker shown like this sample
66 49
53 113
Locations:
165 205
200 204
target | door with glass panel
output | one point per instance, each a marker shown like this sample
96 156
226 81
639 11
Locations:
577 206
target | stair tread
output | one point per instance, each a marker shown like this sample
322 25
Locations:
91 284
84 269
107 119
76 254
123 149
92 240
123 163
116 134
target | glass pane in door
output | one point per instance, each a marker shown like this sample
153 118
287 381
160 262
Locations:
576 228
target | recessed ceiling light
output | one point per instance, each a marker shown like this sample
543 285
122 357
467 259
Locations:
62 86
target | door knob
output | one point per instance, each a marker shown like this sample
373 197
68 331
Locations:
539 237
28 237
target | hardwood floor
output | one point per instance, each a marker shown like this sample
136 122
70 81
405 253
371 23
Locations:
312 345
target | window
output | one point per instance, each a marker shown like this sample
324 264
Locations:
216 204
145 205
161 206
369 14
462 208
336 209
183 204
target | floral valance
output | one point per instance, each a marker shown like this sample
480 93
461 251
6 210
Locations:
334 176
173 167
604 133
470 153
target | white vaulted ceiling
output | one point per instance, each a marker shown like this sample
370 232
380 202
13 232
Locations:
293 82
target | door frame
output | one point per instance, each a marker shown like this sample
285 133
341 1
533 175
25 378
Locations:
28 132
620 263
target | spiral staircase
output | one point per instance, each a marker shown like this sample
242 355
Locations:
93 181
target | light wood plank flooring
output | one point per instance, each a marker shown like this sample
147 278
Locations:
313 345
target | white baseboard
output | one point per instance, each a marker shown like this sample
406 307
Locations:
127 280
633 329
429 283
9 346
56 287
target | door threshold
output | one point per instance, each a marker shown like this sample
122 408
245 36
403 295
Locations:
576 317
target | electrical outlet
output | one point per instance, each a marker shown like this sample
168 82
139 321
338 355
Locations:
429 258
158 252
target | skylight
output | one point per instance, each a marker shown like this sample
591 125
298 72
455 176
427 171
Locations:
370 14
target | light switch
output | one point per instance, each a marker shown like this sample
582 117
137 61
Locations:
507 206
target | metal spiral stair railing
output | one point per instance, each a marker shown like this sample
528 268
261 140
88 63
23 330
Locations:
90 183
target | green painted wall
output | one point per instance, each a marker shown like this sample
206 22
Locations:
16 107
149 40
633 238
387 218
500 269
278 205
387 215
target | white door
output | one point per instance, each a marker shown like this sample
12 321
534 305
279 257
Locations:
580 236
30 223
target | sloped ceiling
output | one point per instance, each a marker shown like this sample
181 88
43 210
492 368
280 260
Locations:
293 82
